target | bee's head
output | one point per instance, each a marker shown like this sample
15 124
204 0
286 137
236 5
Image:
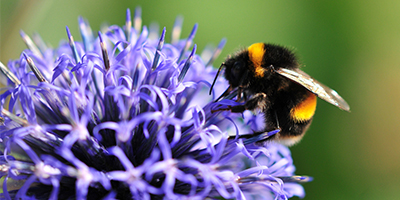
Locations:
237 69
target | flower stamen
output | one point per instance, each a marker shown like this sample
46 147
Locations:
176 30
217 51
188 43
128 25
187 64
137 19
104 53
30 44
34 69
73 47
9 74
159 47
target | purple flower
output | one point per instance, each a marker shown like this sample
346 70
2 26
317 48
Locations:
124 115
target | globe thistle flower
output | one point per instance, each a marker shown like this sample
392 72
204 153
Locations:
125 115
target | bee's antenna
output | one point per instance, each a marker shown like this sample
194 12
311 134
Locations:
216 76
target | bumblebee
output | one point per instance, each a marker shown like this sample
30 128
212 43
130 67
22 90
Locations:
267 77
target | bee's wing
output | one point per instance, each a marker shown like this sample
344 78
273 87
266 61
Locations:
315 87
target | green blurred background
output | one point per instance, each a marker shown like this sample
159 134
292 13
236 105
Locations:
352 46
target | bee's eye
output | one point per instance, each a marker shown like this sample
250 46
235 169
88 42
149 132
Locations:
237 68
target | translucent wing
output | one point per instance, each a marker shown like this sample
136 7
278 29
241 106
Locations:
315 87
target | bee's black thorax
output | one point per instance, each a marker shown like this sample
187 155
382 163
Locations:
278 57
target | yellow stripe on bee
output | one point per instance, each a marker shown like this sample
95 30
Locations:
256 54
305 110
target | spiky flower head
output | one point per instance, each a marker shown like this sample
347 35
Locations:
124 115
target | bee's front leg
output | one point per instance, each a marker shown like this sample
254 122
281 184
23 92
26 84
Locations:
258 100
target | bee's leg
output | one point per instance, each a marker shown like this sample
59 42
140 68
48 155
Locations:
244 96
246 136
239 96
241 88
257 101
257 137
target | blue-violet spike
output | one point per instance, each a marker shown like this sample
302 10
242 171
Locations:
9 74
177 29
104 52
217 51
34 69
189 42
29 43
86 33
72 45
128 25
137 20
187 64
18 120
159 47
